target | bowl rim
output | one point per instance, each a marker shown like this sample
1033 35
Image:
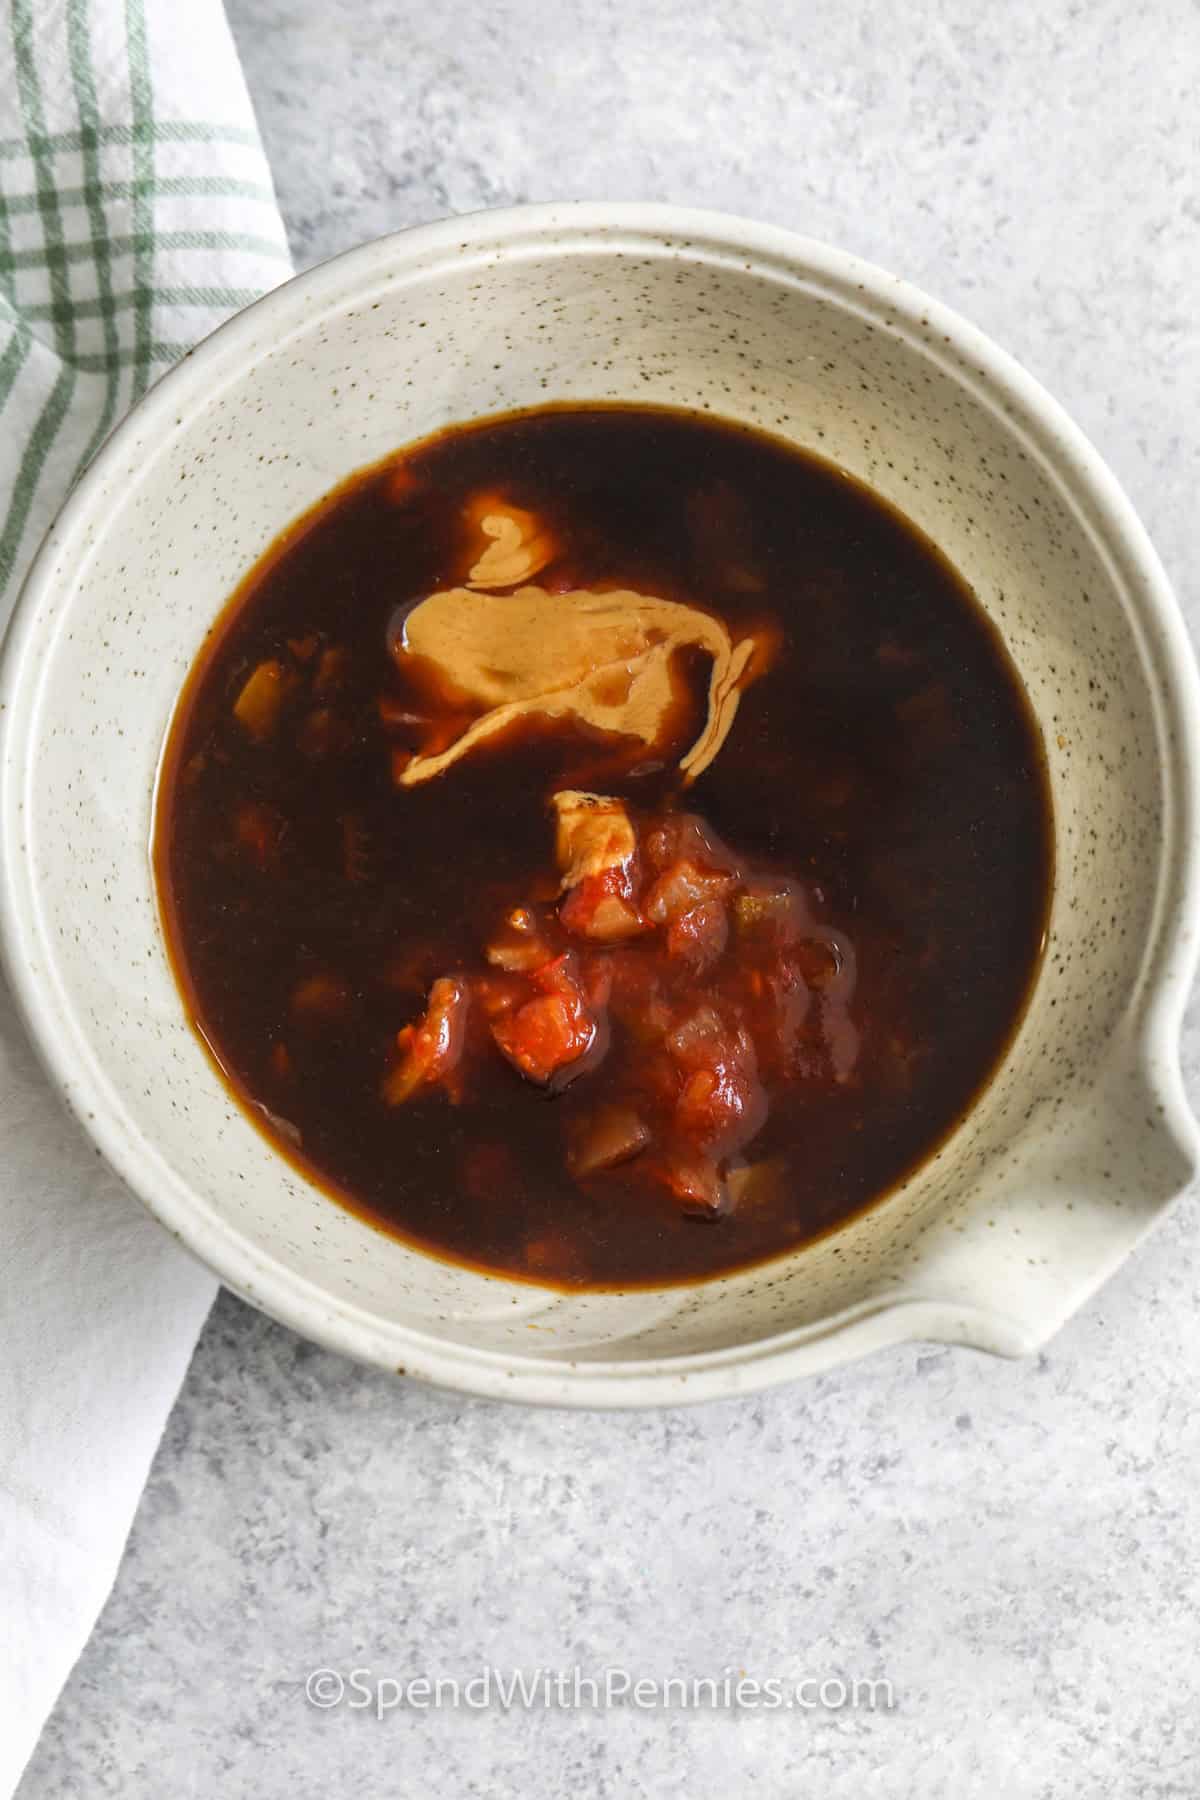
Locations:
301 1303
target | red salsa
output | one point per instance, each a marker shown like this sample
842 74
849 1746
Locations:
604 845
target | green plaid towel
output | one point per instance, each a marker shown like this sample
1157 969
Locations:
136 211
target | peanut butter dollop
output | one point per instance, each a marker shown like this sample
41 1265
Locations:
604 658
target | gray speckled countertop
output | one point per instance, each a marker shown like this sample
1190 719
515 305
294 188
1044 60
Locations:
1012 1546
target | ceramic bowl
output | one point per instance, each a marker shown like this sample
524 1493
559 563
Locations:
1083 1136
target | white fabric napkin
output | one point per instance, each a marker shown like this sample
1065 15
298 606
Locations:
136 211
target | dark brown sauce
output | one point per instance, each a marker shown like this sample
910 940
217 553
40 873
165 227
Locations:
888 760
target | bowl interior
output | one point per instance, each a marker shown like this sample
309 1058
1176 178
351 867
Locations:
389 345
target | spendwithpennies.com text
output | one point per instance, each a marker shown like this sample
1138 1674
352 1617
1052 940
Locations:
575 1689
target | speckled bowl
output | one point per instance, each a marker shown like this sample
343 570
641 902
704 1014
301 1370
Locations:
1083 1137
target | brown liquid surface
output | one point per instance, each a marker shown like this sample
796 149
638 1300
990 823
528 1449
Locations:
887 759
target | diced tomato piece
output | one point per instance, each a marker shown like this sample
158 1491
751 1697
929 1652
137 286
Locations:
684 885
722 1101
659 1079
637 999
555 1028
696 1042
519 944
685 837
699 935
634 977
600 908
706 1019
431 1049
560 975
696 1182
719 1105
597 980
546 1035
501 993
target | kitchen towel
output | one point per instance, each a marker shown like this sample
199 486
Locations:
136 211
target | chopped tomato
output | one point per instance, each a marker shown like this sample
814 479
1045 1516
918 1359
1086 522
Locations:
719 1104
430 1050
560 975
695 1180
500 993
600 908
684 836
660 1080
519 944
696 1040
705 1018
546 1035
683 885
596 976
723 1103
699 935
555 1028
